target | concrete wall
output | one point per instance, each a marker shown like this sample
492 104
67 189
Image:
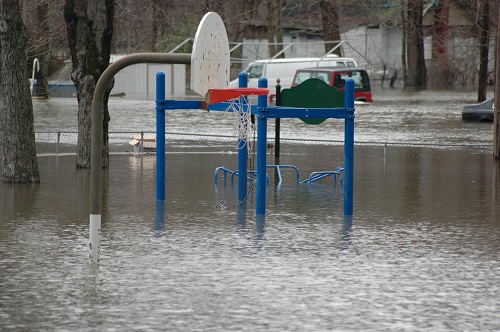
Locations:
139 81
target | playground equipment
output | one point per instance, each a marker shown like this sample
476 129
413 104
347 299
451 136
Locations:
322 102
213 75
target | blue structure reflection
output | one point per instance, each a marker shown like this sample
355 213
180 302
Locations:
346 235
159 226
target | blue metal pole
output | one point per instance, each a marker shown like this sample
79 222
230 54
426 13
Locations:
261 149
242 148
349 150
160 136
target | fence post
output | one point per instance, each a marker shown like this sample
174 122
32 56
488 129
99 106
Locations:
57 142
141 144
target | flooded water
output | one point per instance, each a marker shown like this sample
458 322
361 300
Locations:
421 252
410 117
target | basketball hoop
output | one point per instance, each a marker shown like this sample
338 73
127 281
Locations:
215 95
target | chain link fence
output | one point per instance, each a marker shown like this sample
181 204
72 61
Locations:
65 143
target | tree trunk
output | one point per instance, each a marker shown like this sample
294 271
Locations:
271 29
37 22
417 72
43 49
17 134
330 22
279 27
441 30
90 31
441 73
404 41
484 47
496 114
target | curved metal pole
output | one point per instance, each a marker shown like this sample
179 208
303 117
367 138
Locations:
96 135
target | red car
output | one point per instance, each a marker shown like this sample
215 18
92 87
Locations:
336 76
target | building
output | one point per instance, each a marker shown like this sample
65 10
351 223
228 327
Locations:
372 33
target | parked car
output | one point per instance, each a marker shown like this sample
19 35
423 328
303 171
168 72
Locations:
336 76
284 69
482 112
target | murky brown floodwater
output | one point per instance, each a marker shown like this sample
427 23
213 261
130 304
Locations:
421 252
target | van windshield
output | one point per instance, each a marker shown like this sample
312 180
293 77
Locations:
255 71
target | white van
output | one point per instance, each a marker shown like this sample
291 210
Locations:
285 69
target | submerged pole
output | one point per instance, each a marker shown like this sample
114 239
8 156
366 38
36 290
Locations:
261 149
242 143
160 136
277 134
349 149
97 133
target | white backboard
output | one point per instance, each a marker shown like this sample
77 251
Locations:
210 59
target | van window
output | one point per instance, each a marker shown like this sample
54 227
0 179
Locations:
255 71
350 64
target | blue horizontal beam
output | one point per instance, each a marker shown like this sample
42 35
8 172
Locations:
312 113
223 106
178 104
272 112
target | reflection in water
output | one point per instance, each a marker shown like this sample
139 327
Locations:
242 215
159 226
496 192
346 236
260 227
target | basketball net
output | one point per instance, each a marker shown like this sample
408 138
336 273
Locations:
244 129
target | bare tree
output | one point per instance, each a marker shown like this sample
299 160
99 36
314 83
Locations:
271 27
441 67
38 23
416 69
484 47
330 22
90 30
17 134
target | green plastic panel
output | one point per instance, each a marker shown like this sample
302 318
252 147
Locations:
312 93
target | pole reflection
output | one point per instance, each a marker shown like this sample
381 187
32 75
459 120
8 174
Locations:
159 225
346 234
496 191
